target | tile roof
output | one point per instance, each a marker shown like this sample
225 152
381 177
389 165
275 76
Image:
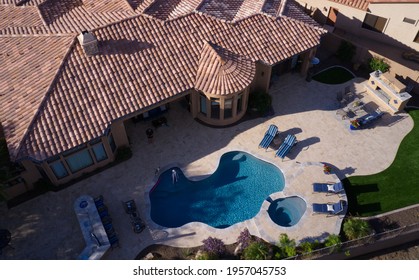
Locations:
170 9
25 16
142 61
28 69
223 72
358 4
106 6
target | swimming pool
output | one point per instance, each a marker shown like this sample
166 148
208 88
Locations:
232 194
287 211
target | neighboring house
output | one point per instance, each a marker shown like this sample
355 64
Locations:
394 22
65 94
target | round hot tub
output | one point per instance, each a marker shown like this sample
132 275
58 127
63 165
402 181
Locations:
288 211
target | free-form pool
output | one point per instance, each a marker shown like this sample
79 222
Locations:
287 211
232 194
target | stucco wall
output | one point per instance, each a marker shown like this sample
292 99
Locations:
396 32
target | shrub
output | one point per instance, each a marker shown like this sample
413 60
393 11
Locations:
308 247
256 251
356 228
333 241
204 256
377 63
123 153
287 247
261 101
346 51
244 238
214 246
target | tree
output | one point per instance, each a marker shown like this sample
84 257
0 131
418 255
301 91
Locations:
356 228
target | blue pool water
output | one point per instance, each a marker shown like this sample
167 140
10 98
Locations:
287 211
232 194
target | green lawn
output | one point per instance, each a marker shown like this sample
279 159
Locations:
334 76
395 187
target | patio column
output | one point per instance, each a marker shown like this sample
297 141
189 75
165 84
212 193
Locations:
306 61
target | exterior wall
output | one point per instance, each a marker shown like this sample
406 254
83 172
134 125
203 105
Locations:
24 181
396 32
73 175
119 133
262 78
221 121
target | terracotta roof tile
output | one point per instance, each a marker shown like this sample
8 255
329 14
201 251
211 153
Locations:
28 68
358 4
106 6
142 61
223 72
12 16
170 9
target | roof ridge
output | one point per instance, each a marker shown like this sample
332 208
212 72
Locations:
45 98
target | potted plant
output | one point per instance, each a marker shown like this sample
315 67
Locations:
355 124
327 169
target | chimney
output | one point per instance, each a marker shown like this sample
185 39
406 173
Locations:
88 42
283 6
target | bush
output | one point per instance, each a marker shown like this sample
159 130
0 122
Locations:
346 51
204 256
260 101
308 247
123 153
287 247
333 241
244 238
377 63
256 251
214 246
356 228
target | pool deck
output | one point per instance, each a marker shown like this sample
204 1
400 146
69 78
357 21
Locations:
47 227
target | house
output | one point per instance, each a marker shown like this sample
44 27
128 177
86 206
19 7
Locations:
395 22
74 71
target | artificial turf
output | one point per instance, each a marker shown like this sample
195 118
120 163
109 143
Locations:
333 75
393 188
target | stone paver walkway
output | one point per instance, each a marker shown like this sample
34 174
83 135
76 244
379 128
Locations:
47 228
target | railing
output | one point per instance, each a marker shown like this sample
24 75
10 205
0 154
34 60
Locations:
345 246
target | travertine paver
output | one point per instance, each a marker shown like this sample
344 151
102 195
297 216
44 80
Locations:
47 228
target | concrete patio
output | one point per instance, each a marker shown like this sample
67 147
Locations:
47 228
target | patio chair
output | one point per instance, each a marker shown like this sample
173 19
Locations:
328 208
333 188
286 146
269 136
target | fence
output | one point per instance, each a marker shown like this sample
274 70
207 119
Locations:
362 244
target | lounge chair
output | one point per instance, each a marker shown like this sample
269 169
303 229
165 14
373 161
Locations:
286 146
328 208
269 136
328 187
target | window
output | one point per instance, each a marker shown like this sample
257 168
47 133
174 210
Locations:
409 20
215 108
79 161
374 23
59 169
239 103
99 151
228 108
203 102
416 38
112 142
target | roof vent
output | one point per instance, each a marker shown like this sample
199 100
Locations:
88 42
